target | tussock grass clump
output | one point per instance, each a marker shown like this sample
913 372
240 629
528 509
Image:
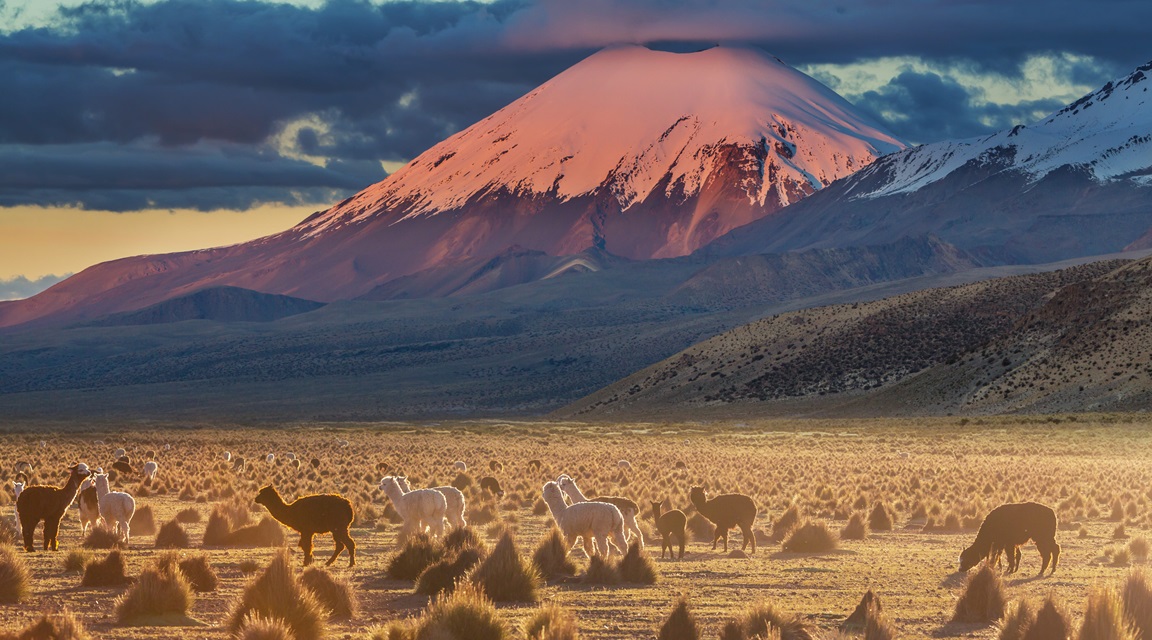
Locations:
217 529
188 516
143 522
859 616
880 519
505 576
416 555
266 533
466 614
172 536
443 575
983 597
551 622
109 572
15 580
551 555
278 593
160 591
1051 622
637 567
601 571
1121 557
785 523
681 624
699 528
76 560
101 537
464 538
260 628
248 567
764 621
1136 594
200 573
335 594
857 527
811 537
1104 618
877 626
1017 622
1139 547
51 626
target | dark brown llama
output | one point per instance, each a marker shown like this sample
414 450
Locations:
727 511
670 524
42 502
1006 528
311 515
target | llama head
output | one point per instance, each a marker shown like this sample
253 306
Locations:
698 495
551 491
969 558
267 496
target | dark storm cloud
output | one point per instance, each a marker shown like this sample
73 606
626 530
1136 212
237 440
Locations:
389 80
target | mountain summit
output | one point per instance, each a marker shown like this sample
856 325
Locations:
631 152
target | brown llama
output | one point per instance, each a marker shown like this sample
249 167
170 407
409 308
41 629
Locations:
1006 528
669 524
311 515
727 511
491 485
42 502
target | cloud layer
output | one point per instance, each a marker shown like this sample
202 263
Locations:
221 103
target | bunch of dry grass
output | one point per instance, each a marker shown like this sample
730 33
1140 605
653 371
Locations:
161 592
601 571
335 594
551 622
1051 623
551 555
172 536
811 537
218 527
785 523
143 522
15 581
506 577
681 624
259 628
278 593
102 537
188 516
443 575
200 573
1104 617
465 614
418 552
266 533
109 572
637 567
1016 623
983 597
1136 594
857 527
880 519
51 626
764 621
464 538
76 560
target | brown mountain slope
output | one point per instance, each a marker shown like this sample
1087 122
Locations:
818 359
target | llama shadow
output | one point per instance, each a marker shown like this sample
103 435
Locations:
1024 579
954 579
789 555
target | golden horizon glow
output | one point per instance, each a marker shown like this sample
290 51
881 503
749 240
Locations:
40 241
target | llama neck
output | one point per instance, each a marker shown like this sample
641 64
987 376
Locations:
70 489
394 492
574 491
555 502
277 507
656 510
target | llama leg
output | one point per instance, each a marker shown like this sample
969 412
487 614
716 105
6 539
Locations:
350 544
306 545
1055 555
339 546
725 541
29 530
683 540
51 531
603 547
749 536
588 550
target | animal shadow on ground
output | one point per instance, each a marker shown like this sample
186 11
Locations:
954 580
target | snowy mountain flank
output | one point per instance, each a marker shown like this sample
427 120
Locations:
1079 182
632 152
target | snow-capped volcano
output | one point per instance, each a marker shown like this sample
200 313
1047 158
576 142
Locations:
1076 183
632 152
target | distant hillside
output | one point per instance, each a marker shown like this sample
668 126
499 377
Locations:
222 304
824 355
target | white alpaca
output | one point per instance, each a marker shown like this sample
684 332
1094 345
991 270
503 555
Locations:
270 458
150 469
460 465
625 465
593 521
227 456
420 509
290 456
18 487
452 496
119 453
116 507
627 508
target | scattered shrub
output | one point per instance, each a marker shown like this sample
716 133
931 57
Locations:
601 571
335 594
416 555
1139 547
1104 617
218 527
15 580
636 566
188 516
1017 622
76 560
143 522
811 537
277 593
763 621
785 523
1136 594
160 591
1051 623
551 622
681 624
172 536
266 533
259 628
248 567
983 597
505 576
51 626
857 527
101 537
109 572
200 573
463 538
443 575
551 555
880 519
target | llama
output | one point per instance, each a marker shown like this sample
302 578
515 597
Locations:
1006 528
150 469
460 466
491 485
452 496
495 466
116 507
592 521
227 456
628 508
727 511
420 509
624 465
41 502
669 524
17 488
25 468
124 466
310 515
119 453
89 507
270 458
